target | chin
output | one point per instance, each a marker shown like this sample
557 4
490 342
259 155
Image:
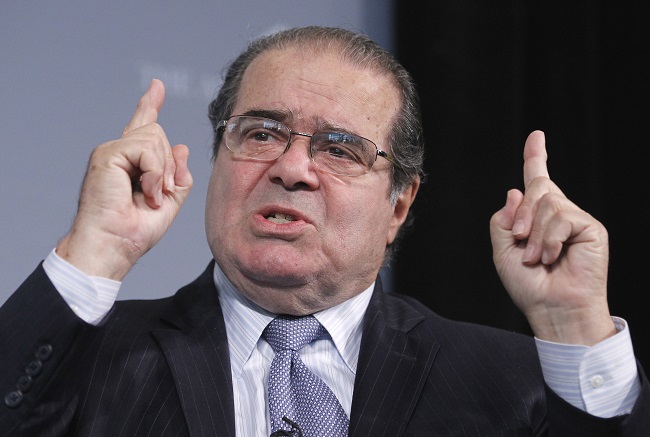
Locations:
278 269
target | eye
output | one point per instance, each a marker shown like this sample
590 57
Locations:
263 134
340 146
260 136
339 152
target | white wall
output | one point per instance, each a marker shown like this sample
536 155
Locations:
71 73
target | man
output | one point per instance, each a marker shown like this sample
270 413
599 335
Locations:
317 161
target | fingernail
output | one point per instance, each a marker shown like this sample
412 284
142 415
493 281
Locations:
171 184
528 253
518 228
158 194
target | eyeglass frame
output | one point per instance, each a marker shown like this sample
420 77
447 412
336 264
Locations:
221 126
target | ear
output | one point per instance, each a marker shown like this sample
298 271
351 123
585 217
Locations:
401 209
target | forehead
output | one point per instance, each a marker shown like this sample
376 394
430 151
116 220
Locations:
319 90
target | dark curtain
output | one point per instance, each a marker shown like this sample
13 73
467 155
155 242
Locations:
490 72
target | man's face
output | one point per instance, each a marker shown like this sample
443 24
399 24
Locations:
334 247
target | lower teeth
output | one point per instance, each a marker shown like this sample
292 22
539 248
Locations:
278 220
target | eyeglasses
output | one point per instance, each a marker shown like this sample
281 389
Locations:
264 139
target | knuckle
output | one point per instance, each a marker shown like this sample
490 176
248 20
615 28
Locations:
102 150
536 233
155 134
538 180
150 129
551 198
553 203
155 128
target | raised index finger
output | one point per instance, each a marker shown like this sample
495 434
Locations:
535 157
148 108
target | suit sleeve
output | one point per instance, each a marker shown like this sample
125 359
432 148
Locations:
37 333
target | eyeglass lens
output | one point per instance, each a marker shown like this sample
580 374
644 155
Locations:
266 140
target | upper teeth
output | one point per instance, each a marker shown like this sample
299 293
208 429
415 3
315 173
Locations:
281 218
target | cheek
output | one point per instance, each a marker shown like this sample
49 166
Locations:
231 183
360 222
214 219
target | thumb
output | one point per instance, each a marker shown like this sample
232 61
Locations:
148 107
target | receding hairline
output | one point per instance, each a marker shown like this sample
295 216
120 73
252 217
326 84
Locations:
347 46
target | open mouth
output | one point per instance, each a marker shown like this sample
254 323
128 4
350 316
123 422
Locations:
279 218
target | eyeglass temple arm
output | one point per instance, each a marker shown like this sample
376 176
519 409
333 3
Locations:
386 155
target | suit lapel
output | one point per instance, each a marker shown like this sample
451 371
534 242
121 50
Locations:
196 349
394 361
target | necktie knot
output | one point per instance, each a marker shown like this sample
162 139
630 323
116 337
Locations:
292 333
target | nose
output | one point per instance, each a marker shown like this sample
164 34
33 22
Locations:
294 169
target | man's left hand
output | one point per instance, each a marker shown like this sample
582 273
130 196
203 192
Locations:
552 257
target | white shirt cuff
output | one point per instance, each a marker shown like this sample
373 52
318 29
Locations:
90 297
602 380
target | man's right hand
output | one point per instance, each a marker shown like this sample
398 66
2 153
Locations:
132 191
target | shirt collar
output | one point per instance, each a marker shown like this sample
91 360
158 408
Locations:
245 321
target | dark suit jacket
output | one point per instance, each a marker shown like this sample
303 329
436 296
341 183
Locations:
161 368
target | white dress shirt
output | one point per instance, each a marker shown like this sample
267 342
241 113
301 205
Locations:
332 358
601 380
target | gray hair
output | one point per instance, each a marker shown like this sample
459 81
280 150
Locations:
405 139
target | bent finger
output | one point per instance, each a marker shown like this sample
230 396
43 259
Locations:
182 175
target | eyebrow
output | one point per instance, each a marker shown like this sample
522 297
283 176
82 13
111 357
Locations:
286 117
277 115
